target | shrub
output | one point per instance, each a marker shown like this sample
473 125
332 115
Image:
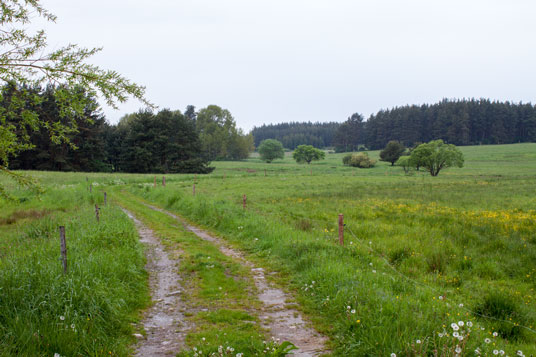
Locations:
361 160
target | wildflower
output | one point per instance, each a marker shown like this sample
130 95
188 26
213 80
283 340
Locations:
418 342
487 340
461 305
501 352
495 352
440 334
62 318
374 271
477 351
239 355
440 297
458 349
454 326
495 334
469 324
393 354
519 353
57 355
455 334
348 307
353 311
460 323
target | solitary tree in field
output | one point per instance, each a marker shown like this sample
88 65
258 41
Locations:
392 152
25 63
271 149
307 153
436 155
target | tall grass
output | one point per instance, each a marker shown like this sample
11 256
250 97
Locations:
87 311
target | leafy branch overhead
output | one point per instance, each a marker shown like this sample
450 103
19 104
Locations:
25 64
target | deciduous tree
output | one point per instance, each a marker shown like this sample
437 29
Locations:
436 155
271 149
307 153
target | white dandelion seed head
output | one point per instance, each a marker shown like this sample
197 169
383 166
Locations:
501 352
458 349
487 340
519 353
353 311
454 326
460 323
469 324
62 318
393 354
418 342
461 305
495 334
495 352
455 334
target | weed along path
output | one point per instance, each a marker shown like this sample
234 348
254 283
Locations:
284 322
165 324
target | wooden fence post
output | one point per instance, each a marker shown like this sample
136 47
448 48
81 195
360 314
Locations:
105 198
90 188
97 213
341 229
164 181
154 183
63 244
193 189
311 171
264 172
244 199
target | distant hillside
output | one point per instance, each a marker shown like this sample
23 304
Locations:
293 134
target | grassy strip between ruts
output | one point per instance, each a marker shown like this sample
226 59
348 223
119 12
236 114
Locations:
219 292
89 310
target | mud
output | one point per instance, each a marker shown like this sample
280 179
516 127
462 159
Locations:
164 323
283 322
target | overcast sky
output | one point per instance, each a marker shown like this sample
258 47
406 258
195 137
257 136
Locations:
275 61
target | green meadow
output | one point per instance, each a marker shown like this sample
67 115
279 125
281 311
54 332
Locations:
430 265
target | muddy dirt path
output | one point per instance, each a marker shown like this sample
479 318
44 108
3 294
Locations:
164 322
283 322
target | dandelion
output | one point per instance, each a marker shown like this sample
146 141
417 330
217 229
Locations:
393 354
62 318
353 311
203 339
458 349
454 326
495 334
519 353
469 324
455 334
487 340
73 326
374 271
418 342
495 352
440 334
348 307
501 352
57 355
461 305
239 355
440 297
460 323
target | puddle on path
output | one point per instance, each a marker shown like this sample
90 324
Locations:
164 323
283 322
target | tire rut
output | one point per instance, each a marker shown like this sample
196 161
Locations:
283 322
164 322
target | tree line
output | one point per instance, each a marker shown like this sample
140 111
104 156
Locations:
167 141
293 134
459 122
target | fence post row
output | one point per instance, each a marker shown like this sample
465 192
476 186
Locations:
63 245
